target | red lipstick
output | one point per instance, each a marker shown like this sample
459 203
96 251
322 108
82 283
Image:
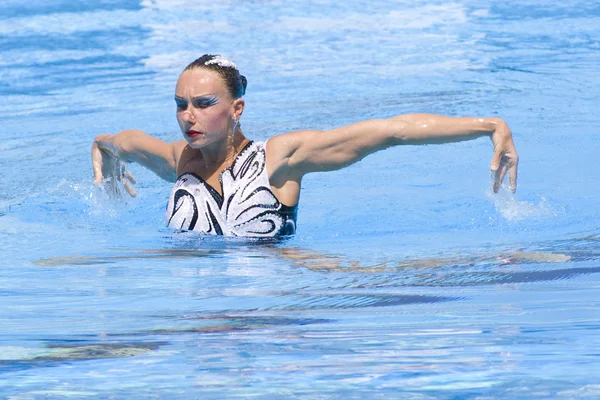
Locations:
193 134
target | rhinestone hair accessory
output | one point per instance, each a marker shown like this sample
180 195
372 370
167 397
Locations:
221 62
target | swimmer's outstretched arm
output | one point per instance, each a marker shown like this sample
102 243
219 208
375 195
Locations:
134 146
302 152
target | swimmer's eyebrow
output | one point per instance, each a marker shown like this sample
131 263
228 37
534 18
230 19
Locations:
202 96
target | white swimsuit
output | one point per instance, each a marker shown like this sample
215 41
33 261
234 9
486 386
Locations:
247 206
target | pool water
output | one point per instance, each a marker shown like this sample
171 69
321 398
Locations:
407 278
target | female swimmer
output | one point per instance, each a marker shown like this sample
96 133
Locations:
226 184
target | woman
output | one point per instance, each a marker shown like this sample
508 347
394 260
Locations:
228 185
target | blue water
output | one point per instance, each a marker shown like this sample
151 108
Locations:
407 278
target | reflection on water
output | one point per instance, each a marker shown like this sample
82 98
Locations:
311 259
90 351
54 354
329 317
353 300
75 349
132 254
231 323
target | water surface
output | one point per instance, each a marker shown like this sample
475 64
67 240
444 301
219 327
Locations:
407 277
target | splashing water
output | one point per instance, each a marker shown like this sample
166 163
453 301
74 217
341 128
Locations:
511 209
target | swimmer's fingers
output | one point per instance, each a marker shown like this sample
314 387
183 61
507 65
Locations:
512 177
496 169
109 170
97 164
505 157
495 164
127 180
127 175
508 163
129 189
499 176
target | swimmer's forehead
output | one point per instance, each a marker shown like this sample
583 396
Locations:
199 82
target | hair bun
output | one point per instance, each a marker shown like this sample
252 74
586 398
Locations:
244 84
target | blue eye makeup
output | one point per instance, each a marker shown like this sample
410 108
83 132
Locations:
181 103
197 102
204 102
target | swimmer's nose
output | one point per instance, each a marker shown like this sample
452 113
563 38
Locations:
188 116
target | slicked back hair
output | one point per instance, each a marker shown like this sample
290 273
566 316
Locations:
236 83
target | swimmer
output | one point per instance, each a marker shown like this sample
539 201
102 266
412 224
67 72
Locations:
227 184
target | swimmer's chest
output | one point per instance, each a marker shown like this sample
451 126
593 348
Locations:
210 176
191 162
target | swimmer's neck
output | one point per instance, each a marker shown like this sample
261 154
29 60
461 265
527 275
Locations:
224 150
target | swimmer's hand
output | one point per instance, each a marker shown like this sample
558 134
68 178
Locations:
109 170
505 157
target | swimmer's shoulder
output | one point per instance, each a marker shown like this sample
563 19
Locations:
280 154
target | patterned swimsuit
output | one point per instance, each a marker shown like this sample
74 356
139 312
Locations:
247 206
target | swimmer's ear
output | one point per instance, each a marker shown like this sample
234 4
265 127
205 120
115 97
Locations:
238 108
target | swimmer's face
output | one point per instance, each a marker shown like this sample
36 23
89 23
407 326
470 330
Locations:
205 110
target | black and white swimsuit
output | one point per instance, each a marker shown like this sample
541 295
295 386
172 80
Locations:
247 206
